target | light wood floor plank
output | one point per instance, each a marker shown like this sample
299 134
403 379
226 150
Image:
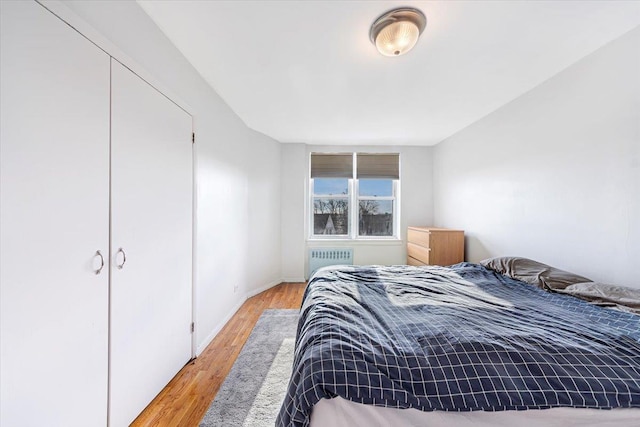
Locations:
184 401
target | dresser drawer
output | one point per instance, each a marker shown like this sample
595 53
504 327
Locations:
419 237
415 262
419 253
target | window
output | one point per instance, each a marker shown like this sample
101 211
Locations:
354 195
375 210
331 206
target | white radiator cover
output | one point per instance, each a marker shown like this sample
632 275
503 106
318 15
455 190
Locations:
322 257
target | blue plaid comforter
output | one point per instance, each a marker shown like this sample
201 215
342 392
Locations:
456 339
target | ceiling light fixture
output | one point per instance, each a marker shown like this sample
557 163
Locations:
396 32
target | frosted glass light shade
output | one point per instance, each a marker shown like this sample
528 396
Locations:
397 31
397 38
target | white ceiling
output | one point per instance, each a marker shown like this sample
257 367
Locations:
305 71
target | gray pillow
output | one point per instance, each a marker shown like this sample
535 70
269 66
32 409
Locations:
620 297
533 272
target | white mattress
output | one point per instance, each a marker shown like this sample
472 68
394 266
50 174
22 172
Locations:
339 412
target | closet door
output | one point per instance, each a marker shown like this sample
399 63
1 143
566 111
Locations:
151 214
54 207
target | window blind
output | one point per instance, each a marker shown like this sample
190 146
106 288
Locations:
331 165
382 166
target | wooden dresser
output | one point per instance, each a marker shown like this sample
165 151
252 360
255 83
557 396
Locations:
434 246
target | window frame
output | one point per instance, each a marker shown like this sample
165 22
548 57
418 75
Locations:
353 199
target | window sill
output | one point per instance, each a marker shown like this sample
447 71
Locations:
392 241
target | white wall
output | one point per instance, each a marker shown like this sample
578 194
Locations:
263 258
415 206
555 174
294 170
238 170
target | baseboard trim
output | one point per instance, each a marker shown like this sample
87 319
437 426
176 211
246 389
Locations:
202 346
270 285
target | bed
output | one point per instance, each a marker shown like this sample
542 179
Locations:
459 345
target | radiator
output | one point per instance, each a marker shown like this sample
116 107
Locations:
323 257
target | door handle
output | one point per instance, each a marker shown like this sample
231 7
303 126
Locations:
99 269
124 258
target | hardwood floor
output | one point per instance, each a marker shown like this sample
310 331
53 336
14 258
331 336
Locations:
184 401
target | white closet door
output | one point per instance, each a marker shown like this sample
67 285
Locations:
54 207
151 205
